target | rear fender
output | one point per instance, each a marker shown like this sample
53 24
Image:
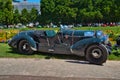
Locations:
29 39
83 43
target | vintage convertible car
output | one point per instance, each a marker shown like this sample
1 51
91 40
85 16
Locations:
94 45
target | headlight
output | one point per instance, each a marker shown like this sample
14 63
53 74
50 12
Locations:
99 34
104 38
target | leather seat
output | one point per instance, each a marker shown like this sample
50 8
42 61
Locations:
50 33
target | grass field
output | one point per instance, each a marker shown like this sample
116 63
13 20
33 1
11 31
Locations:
7 52
113 32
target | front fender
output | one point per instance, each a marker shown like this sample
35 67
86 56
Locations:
84 42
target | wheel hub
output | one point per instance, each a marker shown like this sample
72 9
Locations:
25 46
96 53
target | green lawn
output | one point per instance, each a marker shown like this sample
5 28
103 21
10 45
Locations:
7 52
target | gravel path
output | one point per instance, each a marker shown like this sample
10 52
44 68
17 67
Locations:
55 68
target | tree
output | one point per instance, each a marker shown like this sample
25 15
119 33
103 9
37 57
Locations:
1 5
1 17
47 9
80 11
8 16
6 12
98 17
58 11
33 15
115 11
106 10
16 17
86 13
25 16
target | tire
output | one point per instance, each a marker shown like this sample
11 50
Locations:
25 48
96 54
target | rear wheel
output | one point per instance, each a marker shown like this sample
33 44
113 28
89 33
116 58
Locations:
96 54
24 47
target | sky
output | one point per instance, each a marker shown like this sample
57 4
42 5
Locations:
36 1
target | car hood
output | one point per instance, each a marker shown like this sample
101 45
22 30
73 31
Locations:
78 32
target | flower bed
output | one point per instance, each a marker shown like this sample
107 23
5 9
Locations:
5 35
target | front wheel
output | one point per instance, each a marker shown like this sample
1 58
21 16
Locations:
24 47
96 54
